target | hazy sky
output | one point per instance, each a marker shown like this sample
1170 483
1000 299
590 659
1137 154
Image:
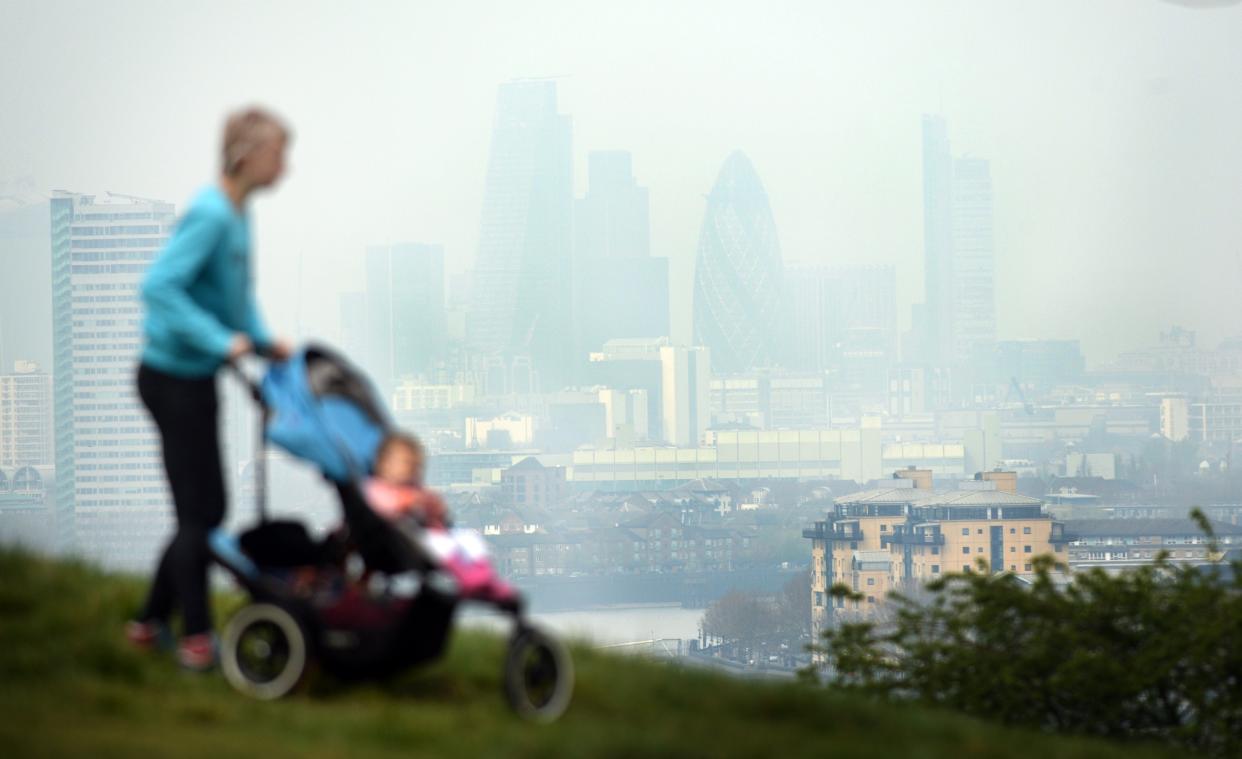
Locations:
1112 126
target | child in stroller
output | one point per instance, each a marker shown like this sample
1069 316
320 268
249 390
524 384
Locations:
397 492
319 408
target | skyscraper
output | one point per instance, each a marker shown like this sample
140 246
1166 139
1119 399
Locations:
111 498
620 291
739 307
522 291
842 312
959 258
611 221
406 328
974 260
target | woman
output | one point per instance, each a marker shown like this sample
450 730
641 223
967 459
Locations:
201 312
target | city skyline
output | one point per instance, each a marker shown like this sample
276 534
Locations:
841 160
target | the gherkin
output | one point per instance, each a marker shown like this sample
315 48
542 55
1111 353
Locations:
738 304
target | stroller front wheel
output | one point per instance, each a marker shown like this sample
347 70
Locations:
539 675
263 653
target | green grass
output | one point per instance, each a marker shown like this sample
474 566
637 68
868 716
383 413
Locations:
70 686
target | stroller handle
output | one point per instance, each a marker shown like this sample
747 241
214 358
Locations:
252 386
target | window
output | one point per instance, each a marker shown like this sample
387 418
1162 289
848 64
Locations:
870 599
966 549
819 598
1028 567
978 549
935 550
965 567
1026 549
965 530
1013 567
1012 530
883 528
1013 549
935 569
979 531
871 581
1026 530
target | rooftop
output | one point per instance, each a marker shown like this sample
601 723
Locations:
945 497
1145 528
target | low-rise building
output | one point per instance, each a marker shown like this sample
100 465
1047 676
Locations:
1116 544
529 483
909 533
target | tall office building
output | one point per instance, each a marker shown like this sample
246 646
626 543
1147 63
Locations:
112 502
959 255
406 329
522 290
26 437
974 259
739 306
813 310
842 313
620 291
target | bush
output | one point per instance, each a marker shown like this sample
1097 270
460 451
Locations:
1152 653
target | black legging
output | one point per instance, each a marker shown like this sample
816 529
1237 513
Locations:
185 411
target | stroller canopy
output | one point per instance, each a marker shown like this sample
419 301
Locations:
323 410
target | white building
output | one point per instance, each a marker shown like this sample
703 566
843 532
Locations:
625 413
1175 418
685 391
112 501
26 436
519 428
419 396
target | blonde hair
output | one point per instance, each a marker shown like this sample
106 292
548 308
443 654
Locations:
246 130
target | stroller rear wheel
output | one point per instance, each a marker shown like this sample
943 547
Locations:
539 675
264 652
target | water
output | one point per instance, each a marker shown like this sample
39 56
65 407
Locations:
609 626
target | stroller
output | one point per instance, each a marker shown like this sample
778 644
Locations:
396 606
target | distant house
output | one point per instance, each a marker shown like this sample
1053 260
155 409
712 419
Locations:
530 483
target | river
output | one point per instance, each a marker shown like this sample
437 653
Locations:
610 625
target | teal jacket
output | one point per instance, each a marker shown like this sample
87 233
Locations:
199 291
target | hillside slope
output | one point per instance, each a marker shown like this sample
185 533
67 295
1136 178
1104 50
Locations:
70 686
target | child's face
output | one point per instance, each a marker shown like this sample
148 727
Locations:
400 464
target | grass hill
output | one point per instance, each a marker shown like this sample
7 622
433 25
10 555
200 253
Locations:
70 686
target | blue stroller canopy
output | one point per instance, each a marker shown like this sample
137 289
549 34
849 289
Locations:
324 410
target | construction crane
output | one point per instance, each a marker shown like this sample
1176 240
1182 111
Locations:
1015 386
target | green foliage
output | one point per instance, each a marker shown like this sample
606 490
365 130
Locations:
69 686
1153 653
